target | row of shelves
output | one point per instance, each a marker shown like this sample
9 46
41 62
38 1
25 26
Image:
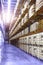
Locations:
19 19
36 39
38 27
36 51
30 33
36 16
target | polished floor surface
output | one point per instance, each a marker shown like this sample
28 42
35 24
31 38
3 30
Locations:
14 56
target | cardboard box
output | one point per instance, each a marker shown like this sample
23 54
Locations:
35 51
41 38
41 53
35 25
25 48
30 49
39 4
29 39
26 4
26 17
31 10
22 21
34 39
40 26
27 30
22 32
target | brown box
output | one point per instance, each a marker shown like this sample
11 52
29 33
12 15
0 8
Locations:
40 24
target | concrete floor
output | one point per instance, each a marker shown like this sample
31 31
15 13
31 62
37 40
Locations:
14 56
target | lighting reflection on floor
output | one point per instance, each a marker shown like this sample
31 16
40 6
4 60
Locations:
14 56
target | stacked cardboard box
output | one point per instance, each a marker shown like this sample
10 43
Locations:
22 22
39 3
29 39
31 10
40 53
27 30
30 49
26 17
34 39
25 48
40 24
35 51
34 26
26 4
40 38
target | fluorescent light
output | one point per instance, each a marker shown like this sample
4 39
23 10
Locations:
8 15
9 1
16 6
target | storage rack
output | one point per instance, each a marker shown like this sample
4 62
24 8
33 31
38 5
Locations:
16 33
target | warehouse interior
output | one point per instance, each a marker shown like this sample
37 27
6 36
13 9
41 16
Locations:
21 32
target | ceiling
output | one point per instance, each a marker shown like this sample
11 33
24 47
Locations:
8 7
9 3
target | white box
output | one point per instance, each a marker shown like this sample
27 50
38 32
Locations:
34 26
31 10
22 46
26 4
22 21
27 30
30 49
26 17
24 40
34 39
41 53
29 39
41 38
38 1
25 48
23 32
39 4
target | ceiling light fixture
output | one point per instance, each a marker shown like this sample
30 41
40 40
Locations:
16 7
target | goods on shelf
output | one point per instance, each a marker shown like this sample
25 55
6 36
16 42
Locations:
22 22
40 24
27 30
39 3
23 32
35 51
41 53
29 39
26 4
32 43
26 17
34 26
34 39
25 48
32 10
40 40
25 39
30 49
